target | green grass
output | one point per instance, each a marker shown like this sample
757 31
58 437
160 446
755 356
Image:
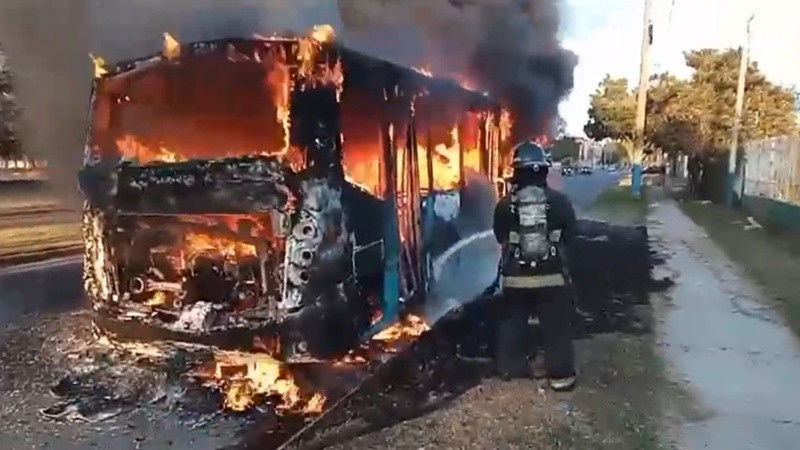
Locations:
618 205
770 256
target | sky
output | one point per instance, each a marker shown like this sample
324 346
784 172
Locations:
607 36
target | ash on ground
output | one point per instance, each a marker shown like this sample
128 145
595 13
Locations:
64 388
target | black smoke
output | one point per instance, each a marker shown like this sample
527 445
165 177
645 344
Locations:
509 48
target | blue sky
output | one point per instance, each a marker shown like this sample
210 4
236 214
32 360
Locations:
606 35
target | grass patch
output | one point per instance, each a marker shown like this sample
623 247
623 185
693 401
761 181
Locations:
618 205
39 237
770 256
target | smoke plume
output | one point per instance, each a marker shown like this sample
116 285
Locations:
507 47
46 43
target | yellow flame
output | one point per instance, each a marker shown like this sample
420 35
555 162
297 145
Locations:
243 377
423 70
172 48
323 33
99 66
158 299
410 327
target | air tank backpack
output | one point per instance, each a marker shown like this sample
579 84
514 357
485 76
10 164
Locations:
530 258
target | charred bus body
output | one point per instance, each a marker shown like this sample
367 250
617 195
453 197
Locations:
273 194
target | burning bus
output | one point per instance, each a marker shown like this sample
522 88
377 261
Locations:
276 194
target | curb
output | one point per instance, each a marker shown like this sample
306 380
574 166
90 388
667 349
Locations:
16 259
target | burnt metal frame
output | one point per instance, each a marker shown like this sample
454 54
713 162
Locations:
413 82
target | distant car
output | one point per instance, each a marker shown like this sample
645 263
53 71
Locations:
586 170
567 171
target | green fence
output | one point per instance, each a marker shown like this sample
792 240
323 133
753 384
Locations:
772 181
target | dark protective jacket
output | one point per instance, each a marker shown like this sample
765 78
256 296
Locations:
560 216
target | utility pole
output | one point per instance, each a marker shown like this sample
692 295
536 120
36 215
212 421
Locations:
734 167
641 100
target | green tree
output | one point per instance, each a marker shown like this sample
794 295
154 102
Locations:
612 110
768 108
613 153
695 114
674 115
612 115
9 146
563 148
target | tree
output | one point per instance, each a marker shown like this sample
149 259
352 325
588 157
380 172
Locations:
768 108
9 146
612 153
563 148
612 111
612 114
694 115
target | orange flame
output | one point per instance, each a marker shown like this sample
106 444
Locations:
229 248
244 378
363 167
409 327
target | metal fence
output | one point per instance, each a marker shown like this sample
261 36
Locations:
772 169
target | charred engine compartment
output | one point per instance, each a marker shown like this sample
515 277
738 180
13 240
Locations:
176 255
221 209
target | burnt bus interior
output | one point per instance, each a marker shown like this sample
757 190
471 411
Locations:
270 188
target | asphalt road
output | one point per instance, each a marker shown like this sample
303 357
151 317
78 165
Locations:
584 189
32 296
48 286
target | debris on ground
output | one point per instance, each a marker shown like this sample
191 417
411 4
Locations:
752 224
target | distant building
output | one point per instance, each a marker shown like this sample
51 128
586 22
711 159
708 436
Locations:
590 152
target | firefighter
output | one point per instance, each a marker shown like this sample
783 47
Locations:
533 224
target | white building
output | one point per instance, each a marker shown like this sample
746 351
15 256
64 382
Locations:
591 152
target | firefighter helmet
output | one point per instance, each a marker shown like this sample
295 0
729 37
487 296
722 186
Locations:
530 155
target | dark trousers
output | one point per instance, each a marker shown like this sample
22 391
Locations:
515 341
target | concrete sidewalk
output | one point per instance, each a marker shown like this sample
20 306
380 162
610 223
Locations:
725 343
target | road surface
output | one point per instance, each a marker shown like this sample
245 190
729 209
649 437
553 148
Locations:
584 189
